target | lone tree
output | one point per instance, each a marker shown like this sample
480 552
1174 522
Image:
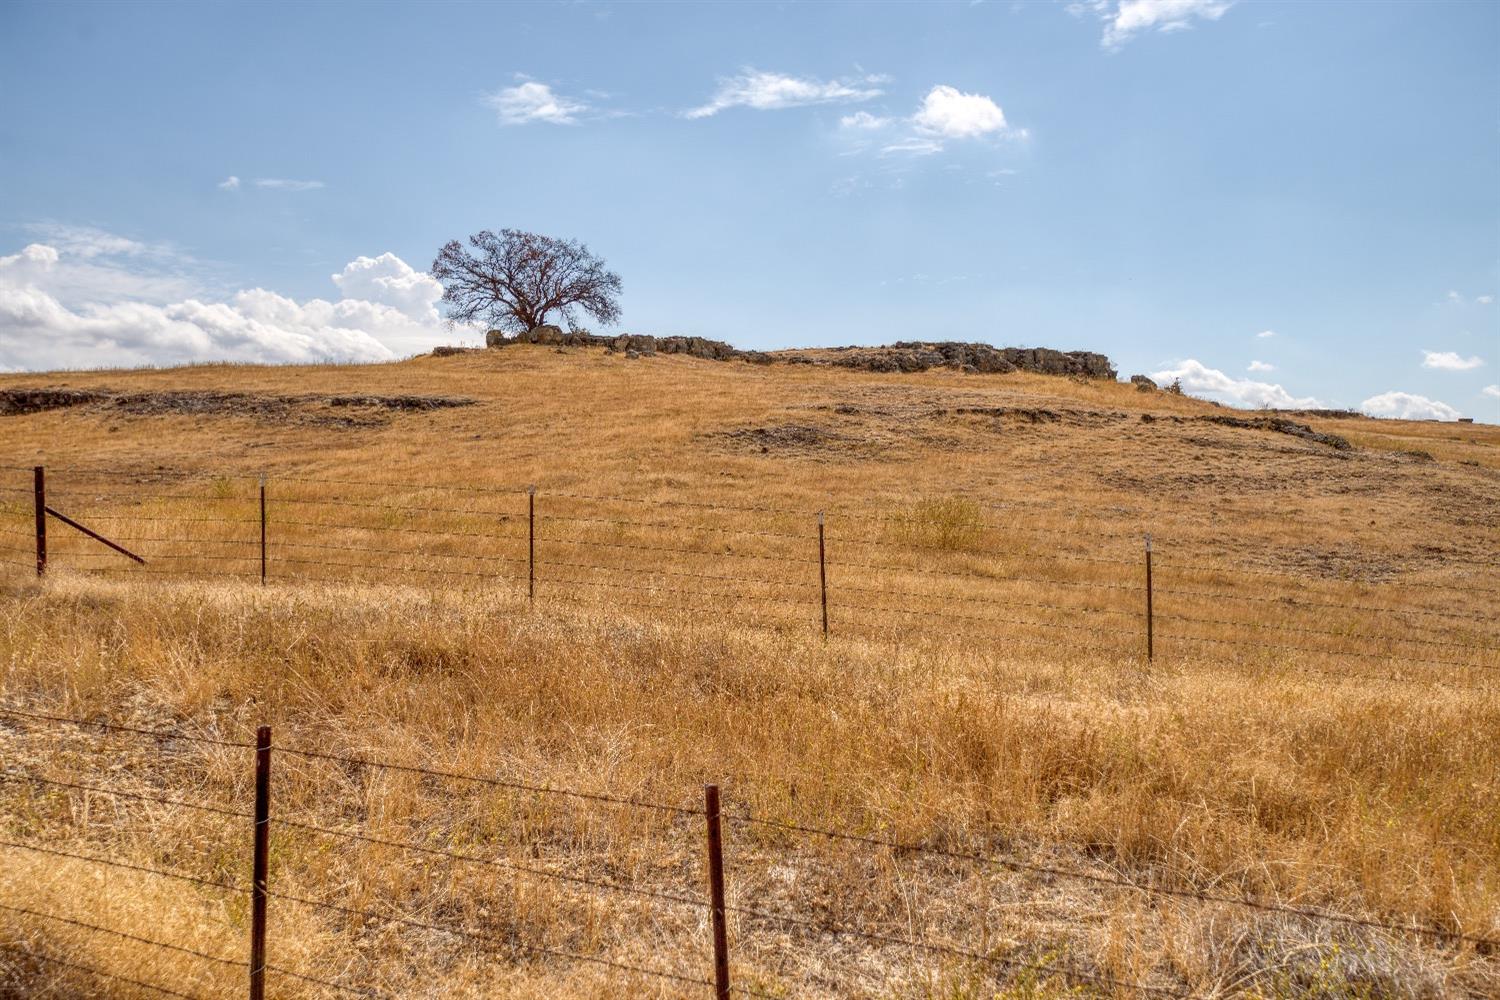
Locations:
514 280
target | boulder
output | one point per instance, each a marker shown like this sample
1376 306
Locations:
1142 383
643 344
494 338
545 334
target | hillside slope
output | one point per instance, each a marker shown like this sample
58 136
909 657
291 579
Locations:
681 428
1303 767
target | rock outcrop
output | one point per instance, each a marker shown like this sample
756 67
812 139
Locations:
918 356
905 356
643 345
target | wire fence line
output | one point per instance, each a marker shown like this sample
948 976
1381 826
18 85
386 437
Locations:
872 574
47 958
260 821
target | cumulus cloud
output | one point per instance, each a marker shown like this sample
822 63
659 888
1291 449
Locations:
951 114
230 183
392 281
773 91
1450 361
1124 19
1261 366
47 323
1201 380
1485 300
1407 406
285 184
945 115
530 102
1491 390
1265 334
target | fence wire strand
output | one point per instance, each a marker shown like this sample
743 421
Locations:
119 793
494 943
98 929
1115 881
493 863
93 971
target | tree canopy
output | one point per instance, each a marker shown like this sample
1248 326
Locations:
514 281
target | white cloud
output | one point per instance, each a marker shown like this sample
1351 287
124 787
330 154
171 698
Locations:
1265 334
1261 366
946 114
230 183
914 145
1454 297
1124 19
392 281
1485 300
1491 390
950 114
51 318
530 102
1200 380
864 120
284 184
1407 406
773 91
95 264
1450 361
89 242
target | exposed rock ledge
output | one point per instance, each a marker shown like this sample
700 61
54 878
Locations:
905 356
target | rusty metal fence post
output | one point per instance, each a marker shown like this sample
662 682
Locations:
531 543
263 529
1150 630
823 574
39 497
716 892
260 878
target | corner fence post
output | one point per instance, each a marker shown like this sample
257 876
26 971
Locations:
39 496
823 574
531 543
716 892
263 529
259 879
1150 630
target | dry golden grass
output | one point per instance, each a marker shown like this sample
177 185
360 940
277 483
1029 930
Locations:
1029 729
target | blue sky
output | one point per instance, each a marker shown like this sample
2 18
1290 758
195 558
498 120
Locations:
1165 182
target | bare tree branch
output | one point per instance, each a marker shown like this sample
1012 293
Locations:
515 280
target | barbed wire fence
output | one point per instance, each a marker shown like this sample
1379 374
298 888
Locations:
875 575
252 830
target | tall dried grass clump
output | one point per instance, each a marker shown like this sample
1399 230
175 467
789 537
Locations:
949 524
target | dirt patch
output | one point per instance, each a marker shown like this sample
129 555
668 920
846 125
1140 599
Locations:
1281 425
16 402
1038 415
794 439
352 410
1277 425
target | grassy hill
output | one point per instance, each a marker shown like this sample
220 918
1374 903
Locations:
1315 731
